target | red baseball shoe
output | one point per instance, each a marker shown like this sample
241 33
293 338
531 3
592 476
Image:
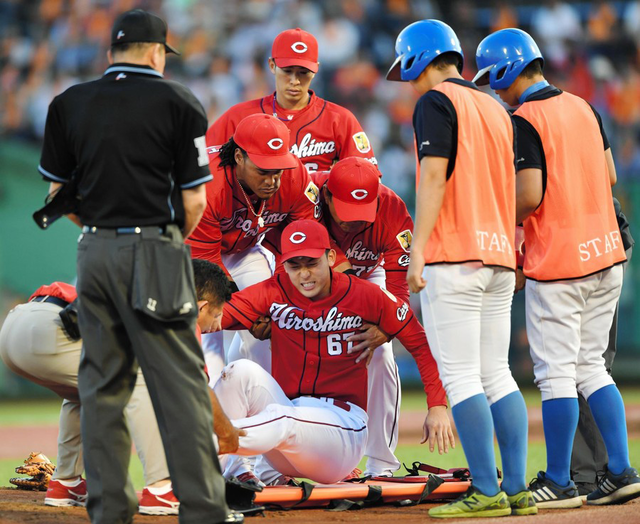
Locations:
165 504
63 496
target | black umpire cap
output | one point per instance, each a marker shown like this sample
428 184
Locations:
139 26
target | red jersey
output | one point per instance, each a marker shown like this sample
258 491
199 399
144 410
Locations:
387 241
228 225
309 350
321 133
60 290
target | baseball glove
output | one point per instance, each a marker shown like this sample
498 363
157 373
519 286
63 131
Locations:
39 468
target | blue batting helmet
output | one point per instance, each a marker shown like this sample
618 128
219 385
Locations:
503 55
418 44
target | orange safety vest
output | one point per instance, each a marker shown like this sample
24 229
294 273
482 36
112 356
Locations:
574 232
478 214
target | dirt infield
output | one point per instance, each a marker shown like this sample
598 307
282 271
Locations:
28 507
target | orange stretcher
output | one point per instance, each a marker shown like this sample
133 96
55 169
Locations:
376 491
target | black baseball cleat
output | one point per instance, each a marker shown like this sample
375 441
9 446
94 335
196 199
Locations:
616 489
548 495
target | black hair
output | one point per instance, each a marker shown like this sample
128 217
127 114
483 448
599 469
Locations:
227 153
212 284
130 46
533 69
443 61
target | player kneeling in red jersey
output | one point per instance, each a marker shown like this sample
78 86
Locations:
315 403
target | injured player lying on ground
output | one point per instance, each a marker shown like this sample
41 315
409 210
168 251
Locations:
309 419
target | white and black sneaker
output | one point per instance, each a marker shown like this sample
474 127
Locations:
616 489
548 495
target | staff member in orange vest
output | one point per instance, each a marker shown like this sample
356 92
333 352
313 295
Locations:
463 262
573 263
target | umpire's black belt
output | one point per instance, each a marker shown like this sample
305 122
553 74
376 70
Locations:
148 231
48 298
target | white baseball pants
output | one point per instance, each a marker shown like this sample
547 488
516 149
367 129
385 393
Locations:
246 268
305 437
568 325
466 311
34 345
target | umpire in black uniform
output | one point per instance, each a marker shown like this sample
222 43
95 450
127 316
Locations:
136 142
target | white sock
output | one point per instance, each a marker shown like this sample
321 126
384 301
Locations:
70 483
162 490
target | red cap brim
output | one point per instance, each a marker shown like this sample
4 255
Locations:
288 62
308 252
349 212
286 161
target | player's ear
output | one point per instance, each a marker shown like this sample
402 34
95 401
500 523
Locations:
109 56
272 65
331 257
202 304
238 156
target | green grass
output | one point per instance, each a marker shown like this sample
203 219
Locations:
21 412
33 412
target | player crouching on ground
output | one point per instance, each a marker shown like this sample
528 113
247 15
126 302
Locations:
34 344
315 402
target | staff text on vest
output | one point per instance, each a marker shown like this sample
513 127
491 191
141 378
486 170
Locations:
599 246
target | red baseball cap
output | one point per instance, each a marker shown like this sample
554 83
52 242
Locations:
266 141
304 238
295 47
354 184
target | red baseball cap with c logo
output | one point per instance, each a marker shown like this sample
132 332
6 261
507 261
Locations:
304 238
266 141
295 47
354 184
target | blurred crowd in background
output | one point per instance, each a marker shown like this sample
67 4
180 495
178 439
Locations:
591 49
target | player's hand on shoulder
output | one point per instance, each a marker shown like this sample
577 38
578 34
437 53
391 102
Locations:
369 338
261 328
414 272
344 267
437 430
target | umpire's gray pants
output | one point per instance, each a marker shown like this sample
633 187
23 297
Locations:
114 337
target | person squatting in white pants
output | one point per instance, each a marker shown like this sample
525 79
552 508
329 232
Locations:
305 437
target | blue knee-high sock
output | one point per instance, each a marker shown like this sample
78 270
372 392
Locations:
475 429
608 411
560 420
510 421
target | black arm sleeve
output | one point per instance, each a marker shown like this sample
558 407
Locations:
57 161
529 152
436 125
605 140
191 167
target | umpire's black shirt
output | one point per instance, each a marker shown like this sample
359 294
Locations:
135 140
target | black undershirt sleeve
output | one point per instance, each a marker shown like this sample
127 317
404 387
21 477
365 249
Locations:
434 121
605 140
57 160
529 153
